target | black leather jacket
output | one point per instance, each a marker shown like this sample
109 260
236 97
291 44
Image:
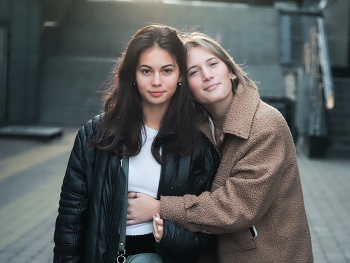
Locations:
87 223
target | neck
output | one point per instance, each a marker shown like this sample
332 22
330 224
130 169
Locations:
153 116
218 109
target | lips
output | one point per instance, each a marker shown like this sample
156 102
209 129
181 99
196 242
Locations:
156 93
212 87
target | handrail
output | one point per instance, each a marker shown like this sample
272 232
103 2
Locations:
325 65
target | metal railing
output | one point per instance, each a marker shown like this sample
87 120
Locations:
316 106
325 65
320 93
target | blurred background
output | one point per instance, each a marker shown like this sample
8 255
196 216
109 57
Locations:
56 57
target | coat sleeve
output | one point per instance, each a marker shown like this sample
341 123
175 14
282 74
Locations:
181 245
72 212
251 185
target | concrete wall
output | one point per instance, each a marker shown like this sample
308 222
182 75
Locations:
3 71
70 89
97 32
4 13
23 23
103 28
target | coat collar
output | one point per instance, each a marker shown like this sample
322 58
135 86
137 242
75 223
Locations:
240 114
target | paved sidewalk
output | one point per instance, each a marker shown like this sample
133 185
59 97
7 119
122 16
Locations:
31 175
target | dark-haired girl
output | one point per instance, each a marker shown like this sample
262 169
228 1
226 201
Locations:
148 112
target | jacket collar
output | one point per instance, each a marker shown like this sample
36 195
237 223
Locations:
240 114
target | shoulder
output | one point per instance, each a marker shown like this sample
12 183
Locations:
269 119
92 127
270 127
89 131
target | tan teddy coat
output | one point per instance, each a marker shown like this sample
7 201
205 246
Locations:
257 183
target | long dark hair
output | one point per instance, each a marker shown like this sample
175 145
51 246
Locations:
123 118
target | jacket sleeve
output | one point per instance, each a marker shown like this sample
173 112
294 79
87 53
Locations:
181 245
250 187
72 212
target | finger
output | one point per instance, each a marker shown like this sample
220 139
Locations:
156 233
129 210
140 194
131 194
158 221
154 228
159 233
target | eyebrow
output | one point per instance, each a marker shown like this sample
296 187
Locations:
165 66
205 61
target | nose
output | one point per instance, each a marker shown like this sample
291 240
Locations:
157 80
206 74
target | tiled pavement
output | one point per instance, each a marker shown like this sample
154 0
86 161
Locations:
31 175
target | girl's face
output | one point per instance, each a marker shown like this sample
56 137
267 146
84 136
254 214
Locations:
157 76
209 77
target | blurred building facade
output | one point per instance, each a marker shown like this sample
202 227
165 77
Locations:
56 55
19 61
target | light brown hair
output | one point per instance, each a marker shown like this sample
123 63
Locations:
197 39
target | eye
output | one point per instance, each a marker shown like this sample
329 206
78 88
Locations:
213 64
191 73
167 71
146 71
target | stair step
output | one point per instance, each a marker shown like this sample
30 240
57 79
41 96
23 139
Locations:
341 108
340 139
342 89
340 147
340 115
339 124
341 94
343 100
338 151
339 133
344 118
339 104
339 120
345 141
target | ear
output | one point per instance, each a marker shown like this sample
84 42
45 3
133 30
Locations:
180 79
232 76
